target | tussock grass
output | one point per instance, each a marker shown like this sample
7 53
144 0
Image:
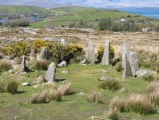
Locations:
5 65
149 77
64 89
94 96
12 87
139 103
113 114
118 67
110 84
2 87
41 65
117 103
40 98
153 86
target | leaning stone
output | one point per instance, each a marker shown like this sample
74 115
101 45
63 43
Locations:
127 68
134 62
90 53
50 74
44 55
25 84
106 57
62 64
126 50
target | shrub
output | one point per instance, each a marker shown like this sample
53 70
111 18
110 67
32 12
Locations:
64 89
113 114
12 87
17 23
2 87
41 65
148 77
94 97
117 103
118 67
154 86
16 49
110 84
140 104
54 94
101 52
5 65
40 98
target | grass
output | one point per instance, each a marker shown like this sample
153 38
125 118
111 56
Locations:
82 79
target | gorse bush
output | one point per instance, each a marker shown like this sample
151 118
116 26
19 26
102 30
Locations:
94 97
5 65
16 49
110 84
12 87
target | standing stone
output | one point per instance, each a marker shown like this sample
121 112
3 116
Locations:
106 57
134 62
127 67
50 74
64 42
24 67
126 50
44 55
90 53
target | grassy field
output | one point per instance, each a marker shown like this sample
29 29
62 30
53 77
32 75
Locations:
72 107
24 9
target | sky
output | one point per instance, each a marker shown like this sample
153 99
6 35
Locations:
90 3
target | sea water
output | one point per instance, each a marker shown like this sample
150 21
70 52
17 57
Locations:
150 12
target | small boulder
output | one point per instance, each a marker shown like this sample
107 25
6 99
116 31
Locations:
62 64
25 84
65 71
106 78
143 72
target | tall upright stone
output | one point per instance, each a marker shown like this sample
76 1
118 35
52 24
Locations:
90 56
44 55
64 42
50 74
126 50
134 63
127 68
23 63
106 57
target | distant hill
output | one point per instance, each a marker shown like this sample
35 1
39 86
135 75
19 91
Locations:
24 9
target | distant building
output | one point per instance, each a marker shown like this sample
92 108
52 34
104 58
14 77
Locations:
146 29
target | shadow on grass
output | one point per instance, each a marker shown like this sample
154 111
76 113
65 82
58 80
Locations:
59 80
21 92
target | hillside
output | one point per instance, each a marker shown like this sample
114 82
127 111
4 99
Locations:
24 9
64 16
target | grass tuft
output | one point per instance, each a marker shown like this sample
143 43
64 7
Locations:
148 77
12 87
2 87
5 65
94 97
110 85
113 114
41 65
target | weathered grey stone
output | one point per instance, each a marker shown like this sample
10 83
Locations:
64 42
90 53
25 84
126 50
23 63
62 64
134 62
44 55
83 61
51 72
106 78
143 72
127 68
106 57
65 72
